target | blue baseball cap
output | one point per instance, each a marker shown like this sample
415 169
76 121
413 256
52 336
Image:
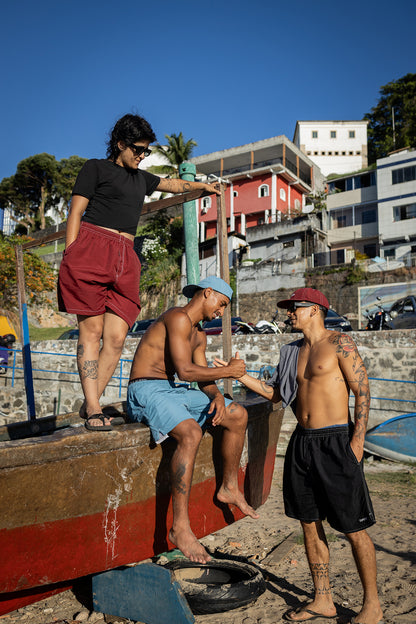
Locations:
216 283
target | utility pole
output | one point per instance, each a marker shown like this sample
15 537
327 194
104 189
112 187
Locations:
187 171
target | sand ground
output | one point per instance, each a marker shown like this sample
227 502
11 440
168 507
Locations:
274 543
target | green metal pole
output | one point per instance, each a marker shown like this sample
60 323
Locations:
187 171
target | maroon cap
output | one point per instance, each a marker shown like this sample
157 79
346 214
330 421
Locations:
305 294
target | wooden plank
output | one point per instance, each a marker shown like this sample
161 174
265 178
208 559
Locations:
222 240
281 551
148 208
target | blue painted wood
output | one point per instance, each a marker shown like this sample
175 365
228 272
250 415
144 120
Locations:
146 592
394 439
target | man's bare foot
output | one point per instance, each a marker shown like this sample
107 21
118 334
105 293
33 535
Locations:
188 544
235 497
369 616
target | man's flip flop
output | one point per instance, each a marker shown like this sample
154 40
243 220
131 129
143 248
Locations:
114 420
102 427
314 615
354 621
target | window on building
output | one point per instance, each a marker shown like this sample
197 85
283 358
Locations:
336 153
351 134
366 214
389 253
260 221
329 153
344 153
370 250
282 194
349 184
401 213
351 153
323 153
315 153
288 244
297 204
314 134
206 203
333 134
309 153
341 218
264 190
358 153
405 174
235 193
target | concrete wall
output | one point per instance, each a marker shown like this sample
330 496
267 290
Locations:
387 355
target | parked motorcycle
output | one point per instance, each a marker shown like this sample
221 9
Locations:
379 319
6 343
262 327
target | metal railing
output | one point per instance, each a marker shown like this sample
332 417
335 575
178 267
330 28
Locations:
120 377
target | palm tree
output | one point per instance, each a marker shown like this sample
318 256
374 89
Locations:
176 152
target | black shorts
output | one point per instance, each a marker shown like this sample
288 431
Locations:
323 479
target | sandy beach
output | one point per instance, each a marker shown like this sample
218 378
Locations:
274 543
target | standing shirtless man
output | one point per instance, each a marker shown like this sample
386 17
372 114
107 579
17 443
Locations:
323 472
175 344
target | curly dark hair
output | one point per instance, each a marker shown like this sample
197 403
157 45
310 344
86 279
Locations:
129 129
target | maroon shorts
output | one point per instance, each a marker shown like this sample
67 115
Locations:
100 270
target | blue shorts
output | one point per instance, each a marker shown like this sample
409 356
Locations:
161 405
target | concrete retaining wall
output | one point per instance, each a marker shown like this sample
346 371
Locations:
387 355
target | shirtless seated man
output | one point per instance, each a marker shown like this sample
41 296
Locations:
175 344
323 473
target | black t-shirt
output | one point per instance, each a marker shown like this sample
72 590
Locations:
115 194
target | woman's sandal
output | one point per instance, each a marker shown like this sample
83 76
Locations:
102 427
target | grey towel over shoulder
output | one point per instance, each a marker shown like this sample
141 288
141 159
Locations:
284 377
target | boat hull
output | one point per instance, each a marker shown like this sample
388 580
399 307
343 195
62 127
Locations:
393 439
75 503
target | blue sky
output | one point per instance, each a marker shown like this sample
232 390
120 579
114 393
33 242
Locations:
223 72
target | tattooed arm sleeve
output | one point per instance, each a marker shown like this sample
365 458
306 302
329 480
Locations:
355 375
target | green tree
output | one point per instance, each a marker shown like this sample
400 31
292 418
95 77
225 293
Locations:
39 184
68 169
15 197
36 175
176 152
160 248
29 192
40 277
397 98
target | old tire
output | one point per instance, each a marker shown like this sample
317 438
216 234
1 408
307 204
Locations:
218 585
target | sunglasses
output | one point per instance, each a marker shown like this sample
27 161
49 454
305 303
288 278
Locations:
299 304
139 150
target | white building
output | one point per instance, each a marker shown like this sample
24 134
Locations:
337 147
396 196
374 212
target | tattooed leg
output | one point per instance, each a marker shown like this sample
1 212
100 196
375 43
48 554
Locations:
188 435
317 552
90 331
234 423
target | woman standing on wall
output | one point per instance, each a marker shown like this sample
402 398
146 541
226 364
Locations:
100 272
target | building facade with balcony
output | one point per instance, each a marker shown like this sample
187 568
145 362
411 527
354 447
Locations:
266 182
396 196
374 212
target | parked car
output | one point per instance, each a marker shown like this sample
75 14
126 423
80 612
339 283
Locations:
214 327
333 321
403 313
139 327
337 322
69 334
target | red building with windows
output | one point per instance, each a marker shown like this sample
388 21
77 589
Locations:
267 181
